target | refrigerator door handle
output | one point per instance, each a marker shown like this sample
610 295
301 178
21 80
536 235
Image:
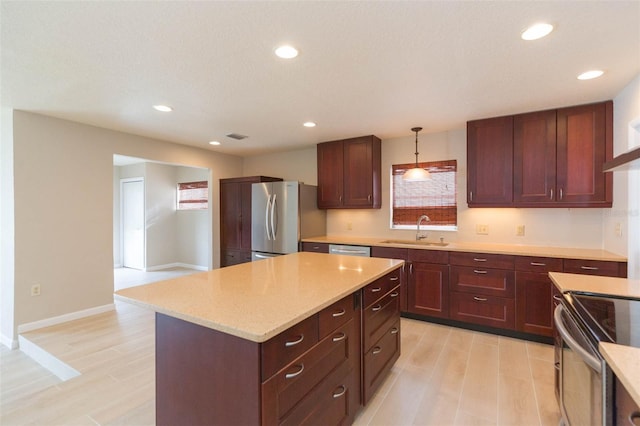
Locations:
274 222
266 217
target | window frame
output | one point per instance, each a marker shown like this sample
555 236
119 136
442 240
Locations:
426 165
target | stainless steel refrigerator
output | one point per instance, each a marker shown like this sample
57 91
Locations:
282 213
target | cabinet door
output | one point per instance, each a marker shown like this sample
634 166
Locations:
230 216
534 157
245 216
584 144
490 162
534 303
362 172
330 174
428 289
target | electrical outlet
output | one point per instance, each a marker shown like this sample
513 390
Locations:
482 229
520 231
35 290
618 229
349 226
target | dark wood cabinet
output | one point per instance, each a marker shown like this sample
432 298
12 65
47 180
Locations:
551 158
428 283
315 247
490 162
380 331
235 218
595 267
396 253
349 173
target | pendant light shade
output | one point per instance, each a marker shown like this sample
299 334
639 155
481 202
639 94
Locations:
417 174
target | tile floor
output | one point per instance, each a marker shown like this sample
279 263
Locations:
445 376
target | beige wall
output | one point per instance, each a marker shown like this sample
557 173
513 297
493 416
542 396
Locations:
297 165
7 248
64 209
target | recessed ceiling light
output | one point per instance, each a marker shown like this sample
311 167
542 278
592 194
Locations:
214 143
309 124
163 108
536 31
588 75
286 52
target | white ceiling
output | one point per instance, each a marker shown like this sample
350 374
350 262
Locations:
364 67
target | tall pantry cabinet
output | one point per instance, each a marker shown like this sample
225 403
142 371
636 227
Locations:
235 218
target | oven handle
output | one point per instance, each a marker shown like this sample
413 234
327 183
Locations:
591 361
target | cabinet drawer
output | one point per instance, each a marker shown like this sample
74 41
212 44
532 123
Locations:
389 252
493 282
381 286
315 247
538 264
429 256
376 318
595 267
497 261
484 310
380 358
294 382
335 315
288 345
235 257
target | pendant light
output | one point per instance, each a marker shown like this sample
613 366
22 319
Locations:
417 174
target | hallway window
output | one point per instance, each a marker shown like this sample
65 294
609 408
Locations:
193 195
436 197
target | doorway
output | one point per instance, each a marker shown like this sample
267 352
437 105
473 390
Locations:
132 223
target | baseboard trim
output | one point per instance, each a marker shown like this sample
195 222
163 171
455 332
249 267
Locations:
175 265
62 370
30 326
9 342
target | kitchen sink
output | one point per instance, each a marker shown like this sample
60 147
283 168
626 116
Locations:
416 242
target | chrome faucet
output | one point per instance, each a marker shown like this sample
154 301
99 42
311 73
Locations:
420 236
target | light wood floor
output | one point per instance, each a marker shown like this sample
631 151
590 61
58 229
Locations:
444 376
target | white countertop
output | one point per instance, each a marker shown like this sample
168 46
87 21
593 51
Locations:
623 360
512 249
258 300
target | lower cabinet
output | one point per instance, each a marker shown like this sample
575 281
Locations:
234 257
492 311
428 283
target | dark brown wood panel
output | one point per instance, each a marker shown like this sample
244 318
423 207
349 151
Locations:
534 303
534 164
395 253
496 261
538 264
490 162
482 309
193 365
330 174
380 287
358 172
493 282
379 359
315 247
377 317
429 256
428 289
335 315
595 267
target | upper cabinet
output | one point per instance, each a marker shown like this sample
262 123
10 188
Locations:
556 160
349 173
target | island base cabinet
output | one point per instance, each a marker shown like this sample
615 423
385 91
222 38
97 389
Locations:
204 376
379 359
492 311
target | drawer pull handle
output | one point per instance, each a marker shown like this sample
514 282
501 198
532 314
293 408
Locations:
538 264
479 259
394 294
316 247
479 299
394 330
342 336
338 393
295 342
557 298
633 417
376 350
376 289
589 268
297 373
376 308
394 279
479 272
339 314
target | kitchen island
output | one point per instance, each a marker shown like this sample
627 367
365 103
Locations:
232 344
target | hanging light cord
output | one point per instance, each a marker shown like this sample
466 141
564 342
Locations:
416 129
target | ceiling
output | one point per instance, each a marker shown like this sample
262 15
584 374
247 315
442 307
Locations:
364 67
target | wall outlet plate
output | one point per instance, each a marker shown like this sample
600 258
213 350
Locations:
482 229
35 290
520 231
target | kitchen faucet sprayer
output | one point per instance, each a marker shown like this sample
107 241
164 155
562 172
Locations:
420 236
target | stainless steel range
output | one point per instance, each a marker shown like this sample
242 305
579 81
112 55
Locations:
584 383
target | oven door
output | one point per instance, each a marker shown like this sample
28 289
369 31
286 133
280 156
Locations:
582 390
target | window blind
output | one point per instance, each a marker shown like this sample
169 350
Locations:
193 195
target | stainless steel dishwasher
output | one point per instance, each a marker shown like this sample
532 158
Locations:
362 251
